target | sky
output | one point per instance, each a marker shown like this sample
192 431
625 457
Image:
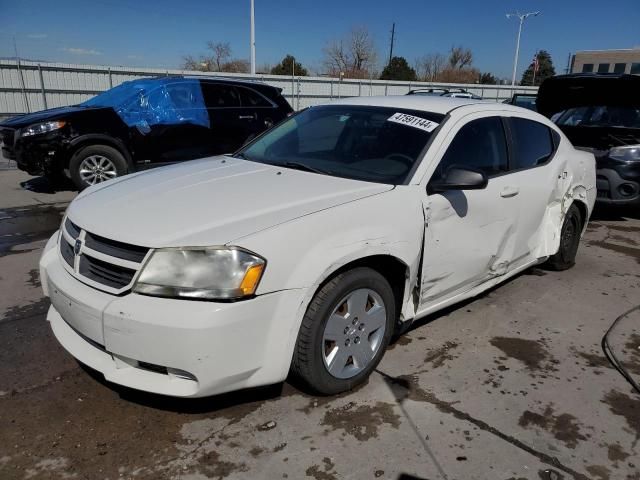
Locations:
159 33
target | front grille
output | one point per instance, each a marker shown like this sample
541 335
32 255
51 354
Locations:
113 276
72 228
67 251
121 250
7 138
116 267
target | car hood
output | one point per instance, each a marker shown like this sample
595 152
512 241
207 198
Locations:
571 91
212 201
42 116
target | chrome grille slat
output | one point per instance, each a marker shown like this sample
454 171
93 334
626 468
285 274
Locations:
98 261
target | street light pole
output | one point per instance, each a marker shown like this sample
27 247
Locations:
522 17
253 41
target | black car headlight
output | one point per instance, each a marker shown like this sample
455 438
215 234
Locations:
44 127
215 273
627 153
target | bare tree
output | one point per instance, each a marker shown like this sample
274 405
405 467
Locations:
460 57
429 66
354 55
237 65
221 51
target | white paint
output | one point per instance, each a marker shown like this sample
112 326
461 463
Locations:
307 226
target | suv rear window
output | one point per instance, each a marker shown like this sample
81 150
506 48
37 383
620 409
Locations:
250 98
218 95
533 144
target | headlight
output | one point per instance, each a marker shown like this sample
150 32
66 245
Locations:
217 273
627 153
44 127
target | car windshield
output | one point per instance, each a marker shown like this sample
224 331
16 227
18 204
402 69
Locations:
600 116
373 144
118 96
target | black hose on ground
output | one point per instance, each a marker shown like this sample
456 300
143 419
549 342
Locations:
608 352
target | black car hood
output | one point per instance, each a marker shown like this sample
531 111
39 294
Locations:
43 116
579 90
601 138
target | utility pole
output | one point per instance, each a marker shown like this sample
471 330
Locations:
393 34
522 17
253 40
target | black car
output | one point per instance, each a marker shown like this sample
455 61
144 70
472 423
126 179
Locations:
524 100
139 124
600 113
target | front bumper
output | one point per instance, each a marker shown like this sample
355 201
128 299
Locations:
172 347
618 183
42 154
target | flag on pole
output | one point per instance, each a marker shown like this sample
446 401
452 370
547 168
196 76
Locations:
536 64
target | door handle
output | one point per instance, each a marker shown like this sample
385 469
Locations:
246 117
509 192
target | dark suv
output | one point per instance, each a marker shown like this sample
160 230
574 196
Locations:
600 113
139 124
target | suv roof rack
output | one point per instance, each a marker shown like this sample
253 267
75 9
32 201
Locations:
436 89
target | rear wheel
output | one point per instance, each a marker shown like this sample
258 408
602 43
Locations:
345 331
565 258
96 164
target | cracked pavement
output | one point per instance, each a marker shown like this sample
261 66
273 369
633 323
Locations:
511 385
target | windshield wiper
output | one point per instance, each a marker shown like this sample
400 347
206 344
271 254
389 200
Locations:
241 156
304 167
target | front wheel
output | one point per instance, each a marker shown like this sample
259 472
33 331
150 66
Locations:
345 331
96 164
565 258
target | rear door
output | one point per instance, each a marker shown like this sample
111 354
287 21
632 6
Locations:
258 112
228 126
537 179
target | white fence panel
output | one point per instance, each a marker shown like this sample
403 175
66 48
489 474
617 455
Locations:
34 86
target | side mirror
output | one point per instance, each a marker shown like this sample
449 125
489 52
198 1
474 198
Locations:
459 178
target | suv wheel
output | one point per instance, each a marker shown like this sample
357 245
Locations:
96 164
345 331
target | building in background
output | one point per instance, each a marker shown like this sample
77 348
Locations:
607 61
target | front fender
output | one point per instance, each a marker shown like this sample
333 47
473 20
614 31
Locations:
303 252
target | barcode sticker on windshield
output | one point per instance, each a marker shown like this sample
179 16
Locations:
411 121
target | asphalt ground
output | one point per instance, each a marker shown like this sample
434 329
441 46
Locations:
512 385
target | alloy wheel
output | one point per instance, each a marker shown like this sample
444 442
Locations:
97 168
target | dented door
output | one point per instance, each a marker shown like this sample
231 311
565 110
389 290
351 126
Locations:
470 234
469 238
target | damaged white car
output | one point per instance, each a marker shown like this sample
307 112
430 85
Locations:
309 248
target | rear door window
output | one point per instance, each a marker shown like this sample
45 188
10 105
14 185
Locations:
532 143
251 98
218 95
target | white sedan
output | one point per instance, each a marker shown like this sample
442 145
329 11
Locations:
308 249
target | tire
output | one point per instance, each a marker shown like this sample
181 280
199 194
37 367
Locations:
357 335
96 163
565 258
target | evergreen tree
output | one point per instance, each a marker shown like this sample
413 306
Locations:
285 67
398 69
545 69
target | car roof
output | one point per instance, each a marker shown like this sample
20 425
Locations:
213 79
427 103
